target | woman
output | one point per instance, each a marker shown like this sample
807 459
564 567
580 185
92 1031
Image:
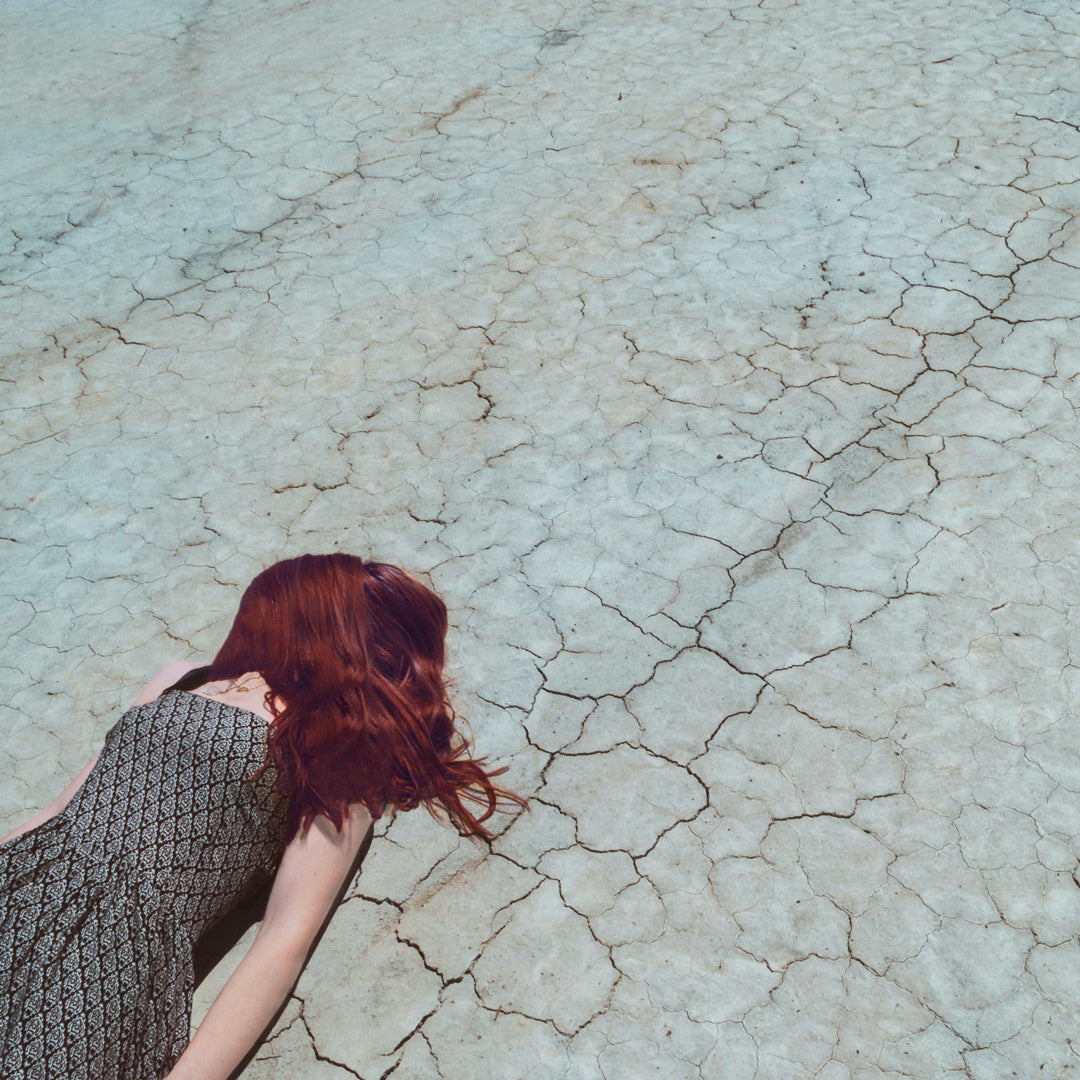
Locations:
324 707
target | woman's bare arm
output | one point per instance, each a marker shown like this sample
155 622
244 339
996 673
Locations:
58 804
161 681
312 871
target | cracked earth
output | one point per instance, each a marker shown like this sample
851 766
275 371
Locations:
718 364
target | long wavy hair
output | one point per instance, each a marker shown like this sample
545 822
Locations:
355 651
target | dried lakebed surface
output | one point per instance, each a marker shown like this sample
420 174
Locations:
718 364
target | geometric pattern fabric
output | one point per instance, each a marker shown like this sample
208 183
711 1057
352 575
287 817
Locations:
100 906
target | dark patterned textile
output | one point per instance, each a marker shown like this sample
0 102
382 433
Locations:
100 905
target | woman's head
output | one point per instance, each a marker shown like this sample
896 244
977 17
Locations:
355 650
316 621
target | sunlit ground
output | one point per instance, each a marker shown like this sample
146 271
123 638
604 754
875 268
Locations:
718 365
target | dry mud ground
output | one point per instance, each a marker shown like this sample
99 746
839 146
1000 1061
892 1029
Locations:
718 363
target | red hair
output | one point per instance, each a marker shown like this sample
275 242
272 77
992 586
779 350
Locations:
355 650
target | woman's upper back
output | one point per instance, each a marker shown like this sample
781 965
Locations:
247 692
170 808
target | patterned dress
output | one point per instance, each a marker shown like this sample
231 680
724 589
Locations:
101 905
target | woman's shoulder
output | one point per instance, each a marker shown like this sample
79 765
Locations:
164 679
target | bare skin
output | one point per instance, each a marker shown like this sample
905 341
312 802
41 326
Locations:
312 870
